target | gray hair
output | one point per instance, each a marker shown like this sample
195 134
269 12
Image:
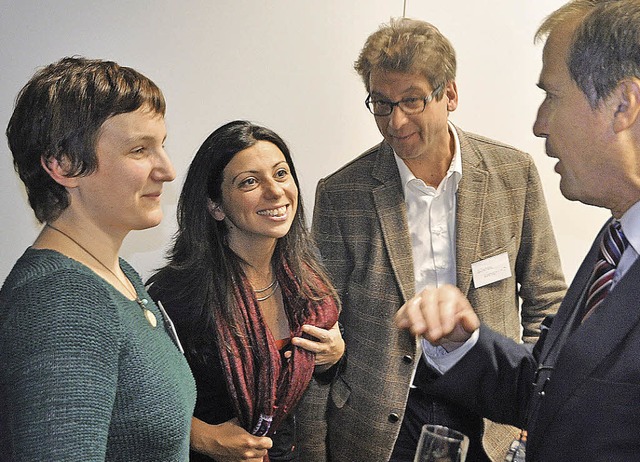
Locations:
605 48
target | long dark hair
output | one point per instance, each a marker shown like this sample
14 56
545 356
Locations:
202 269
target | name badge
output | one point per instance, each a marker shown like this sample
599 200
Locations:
490 270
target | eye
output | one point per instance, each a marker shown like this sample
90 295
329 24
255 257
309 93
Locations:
380 103
548 93
248 183
412 103
548 98
282 174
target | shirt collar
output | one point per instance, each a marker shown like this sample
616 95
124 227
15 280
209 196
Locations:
454 169
630 222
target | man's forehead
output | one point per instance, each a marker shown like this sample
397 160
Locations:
561 37
555 53
383 80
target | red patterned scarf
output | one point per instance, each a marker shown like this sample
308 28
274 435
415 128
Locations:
263 389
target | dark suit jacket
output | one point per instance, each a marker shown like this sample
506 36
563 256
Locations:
585 405
360 226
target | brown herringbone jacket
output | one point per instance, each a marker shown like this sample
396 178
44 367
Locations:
360 226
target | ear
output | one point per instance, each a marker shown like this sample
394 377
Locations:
58 170
215 210
451 93
626 97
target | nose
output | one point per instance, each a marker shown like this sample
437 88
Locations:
273 189
397 118
163 170
540 126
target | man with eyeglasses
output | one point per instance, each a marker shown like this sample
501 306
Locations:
430 205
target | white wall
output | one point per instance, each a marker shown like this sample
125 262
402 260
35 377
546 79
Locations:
286 64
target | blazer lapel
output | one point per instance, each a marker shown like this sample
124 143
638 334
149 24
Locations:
470 207
388 198
573 298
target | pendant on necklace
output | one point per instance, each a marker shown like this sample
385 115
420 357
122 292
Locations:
151 318
148 314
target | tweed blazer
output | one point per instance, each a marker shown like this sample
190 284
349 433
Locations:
585 402
361 230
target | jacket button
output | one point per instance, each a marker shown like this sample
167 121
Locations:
393 417
407 359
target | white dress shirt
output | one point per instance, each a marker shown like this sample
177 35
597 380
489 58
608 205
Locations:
630 222
431 216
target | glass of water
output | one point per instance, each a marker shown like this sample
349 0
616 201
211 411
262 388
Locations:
441 444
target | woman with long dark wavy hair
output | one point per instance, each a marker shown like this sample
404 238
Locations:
253 307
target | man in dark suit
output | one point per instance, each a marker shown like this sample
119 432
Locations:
431 204
578 391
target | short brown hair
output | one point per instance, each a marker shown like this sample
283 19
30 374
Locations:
58 115
410 46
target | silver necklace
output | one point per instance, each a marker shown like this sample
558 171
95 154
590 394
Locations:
274 286
275 280
148 314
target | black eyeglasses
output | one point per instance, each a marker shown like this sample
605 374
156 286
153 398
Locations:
410 106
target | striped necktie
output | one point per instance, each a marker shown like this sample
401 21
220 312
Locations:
611 248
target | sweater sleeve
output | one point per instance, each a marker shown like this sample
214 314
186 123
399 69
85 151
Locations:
59 346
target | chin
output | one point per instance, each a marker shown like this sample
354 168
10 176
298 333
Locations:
281 231
569 193
405 154
150 222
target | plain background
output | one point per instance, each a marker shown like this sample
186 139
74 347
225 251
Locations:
286 64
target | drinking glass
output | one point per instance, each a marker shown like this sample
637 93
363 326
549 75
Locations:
441 444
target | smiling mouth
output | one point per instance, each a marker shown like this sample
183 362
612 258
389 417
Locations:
402 138
278 212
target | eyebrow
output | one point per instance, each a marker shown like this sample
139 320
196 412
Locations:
136 138
410 89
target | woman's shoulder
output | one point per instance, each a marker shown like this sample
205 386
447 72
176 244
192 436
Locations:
48 270
52 306
49 287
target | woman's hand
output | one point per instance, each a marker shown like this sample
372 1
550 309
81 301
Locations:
328 348
228 442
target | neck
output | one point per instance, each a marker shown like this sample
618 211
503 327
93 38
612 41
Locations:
432 167
257 253
100 244
260 276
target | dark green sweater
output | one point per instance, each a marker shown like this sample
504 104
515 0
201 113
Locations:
83 375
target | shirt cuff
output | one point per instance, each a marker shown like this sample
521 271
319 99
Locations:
442 360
